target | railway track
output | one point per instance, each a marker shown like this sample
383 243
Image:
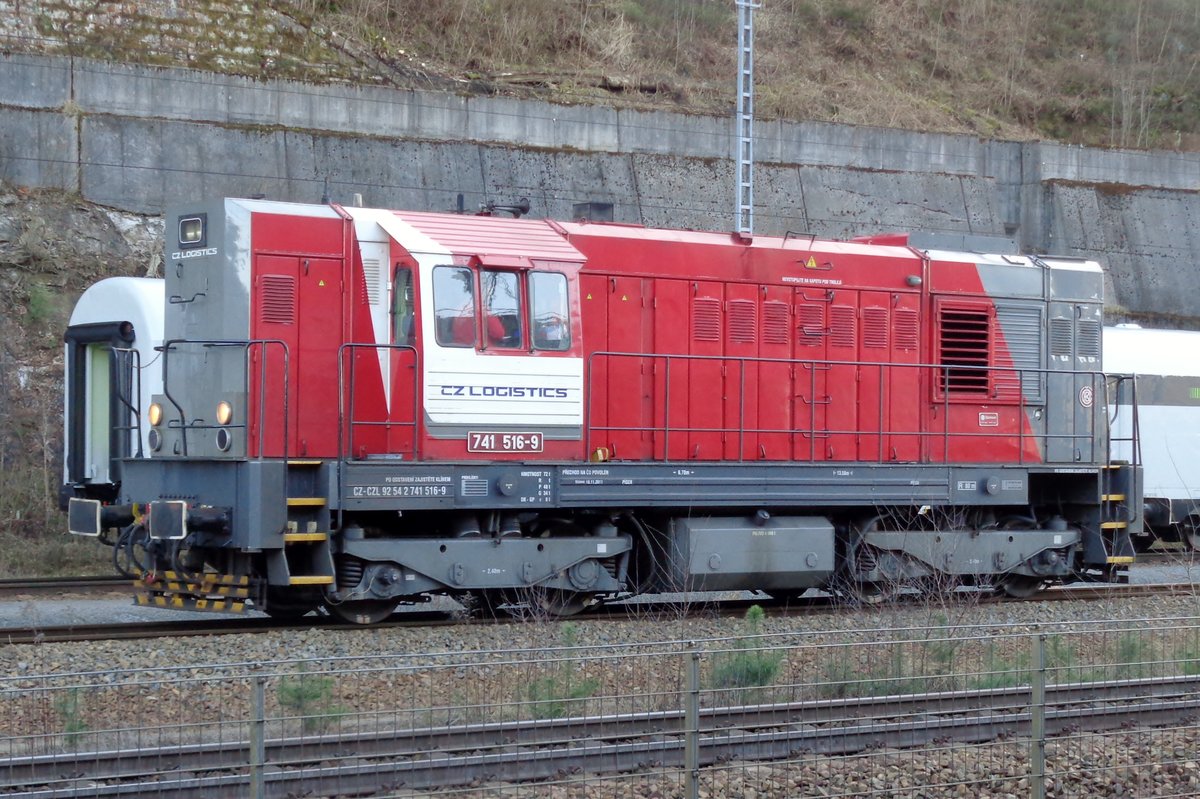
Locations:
642 609
43 586
532 750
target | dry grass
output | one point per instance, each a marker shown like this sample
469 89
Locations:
1107 72
1101 72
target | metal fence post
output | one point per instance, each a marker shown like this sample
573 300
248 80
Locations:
258 737
1037 713
691 733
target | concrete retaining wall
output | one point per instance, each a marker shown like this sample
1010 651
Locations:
139 138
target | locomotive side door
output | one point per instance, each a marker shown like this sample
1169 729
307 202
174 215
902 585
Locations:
774 380
700 379
843 417
298 302
874 377
906 381
320 337
405 325
742 368
1074 392
811 400
619 385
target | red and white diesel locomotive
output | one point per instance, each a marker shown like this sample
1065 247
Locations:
354 408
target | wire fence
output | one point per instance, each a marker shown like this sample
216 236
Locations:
1082 709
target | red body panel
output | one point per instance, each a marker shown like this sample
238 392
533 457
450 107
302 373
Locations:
696 346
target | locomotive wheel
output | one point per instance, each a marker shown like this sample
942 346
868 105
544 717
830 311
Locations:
363 611
1020 586
1191 535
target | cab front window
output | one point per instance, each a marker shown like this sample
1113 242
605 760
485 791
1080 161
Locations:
501 309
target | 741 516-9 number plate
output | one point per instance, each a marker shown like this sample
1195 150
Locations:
504 442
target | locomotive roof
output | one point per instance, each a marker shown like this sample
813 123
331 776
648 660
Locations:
491 235
626 244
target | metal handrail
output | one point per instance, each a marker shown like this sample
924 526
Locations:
932 380
346 394
170 346
134 404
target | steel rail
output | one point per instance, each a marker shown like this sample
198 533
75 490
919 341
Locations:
63 585
541 749
617 611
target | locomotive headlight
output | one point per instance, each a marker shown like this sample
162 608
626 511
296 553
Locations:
191 230
224 412
155 414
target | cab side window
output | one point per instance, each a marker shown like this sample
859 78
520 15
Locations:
549 311
501 309
403 307
454 306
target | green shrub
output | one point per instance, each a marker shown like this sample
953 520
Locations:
310 699
551 696
746 667
69 708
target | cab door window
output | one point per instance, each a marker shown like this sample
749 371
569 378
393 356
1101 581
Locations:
403 307
549 309
454 306
501 309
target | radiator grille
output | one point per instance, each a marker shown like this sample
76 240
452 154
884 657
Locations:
743 322
277 299
906 330
1022 329
841 323
964 350
811 327
775 322
875 328
706 319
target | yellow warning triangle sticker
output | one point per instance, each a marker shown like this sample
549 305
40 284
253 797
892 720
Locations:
321 283
811 263
589 296
624 298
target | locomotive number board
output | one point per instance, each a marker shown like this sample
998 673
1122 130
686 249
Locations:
504 442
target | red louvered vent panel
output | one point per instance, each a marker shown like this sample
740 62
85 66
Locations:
743 321
775 322
277 299
706 319
841 323
811 327
906 335
875 328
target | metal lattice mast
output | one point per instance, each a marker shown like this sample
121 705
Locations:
745 116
